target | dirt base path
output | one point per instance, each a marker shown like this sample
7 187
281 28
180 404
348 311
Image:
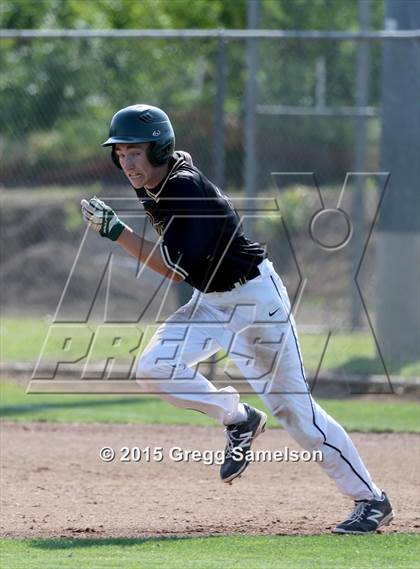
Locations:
54 484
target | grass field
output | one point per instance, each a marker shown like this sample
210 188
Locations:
22 339
306 552
354 414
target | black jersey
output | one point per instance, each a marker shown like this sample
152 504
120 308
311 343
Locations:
201 235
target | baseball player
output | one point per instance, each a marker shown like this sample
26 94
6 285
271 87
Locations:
239 304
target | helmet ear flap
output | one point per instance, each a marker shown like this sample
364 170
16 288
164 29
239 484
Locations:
152 154
159 153
115 158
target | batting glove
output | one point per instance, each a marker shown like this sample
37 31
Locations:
102 218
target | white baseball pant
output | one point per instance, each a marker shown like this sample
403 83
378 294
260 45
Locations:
254 325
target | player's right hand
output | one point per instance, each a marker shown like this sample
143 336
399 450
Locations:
102 218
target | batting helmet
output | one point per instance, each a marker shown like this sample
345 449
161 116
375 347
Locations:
142 123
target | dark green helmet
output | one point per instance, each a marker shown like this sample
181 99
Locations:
142 123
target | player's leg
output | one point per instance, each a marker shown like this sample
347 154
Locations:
167 366
341 460
309 423
268 355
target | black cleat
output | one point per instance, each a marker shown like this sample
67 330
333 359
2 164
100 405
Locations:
239 438
367 516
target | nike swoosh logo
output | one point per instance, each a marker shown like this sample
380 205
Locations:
273 313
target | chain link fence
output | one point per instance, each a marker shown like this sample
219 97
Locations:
59 93
314 100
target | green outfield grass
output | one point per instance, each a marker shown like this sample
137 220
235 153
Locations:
301 552
22 339
355 414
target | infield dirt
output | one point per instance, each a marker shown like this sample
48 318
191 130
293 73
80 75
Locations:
54 484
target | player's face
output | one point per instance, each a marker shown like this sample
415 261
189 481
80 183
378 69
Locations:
135 164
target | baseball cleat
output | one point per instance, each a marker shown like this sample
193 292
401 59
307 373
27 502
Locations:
239 438
367 516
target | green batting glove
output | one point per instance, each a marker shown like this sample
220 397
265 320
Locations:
102 218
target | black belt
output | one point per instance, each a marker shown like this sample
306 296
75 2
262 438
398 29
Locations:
252 274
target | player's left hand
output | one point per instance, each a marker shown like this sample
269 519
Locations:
102 218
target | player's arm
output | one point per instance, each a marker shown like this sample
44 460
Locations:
104 220
146 252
